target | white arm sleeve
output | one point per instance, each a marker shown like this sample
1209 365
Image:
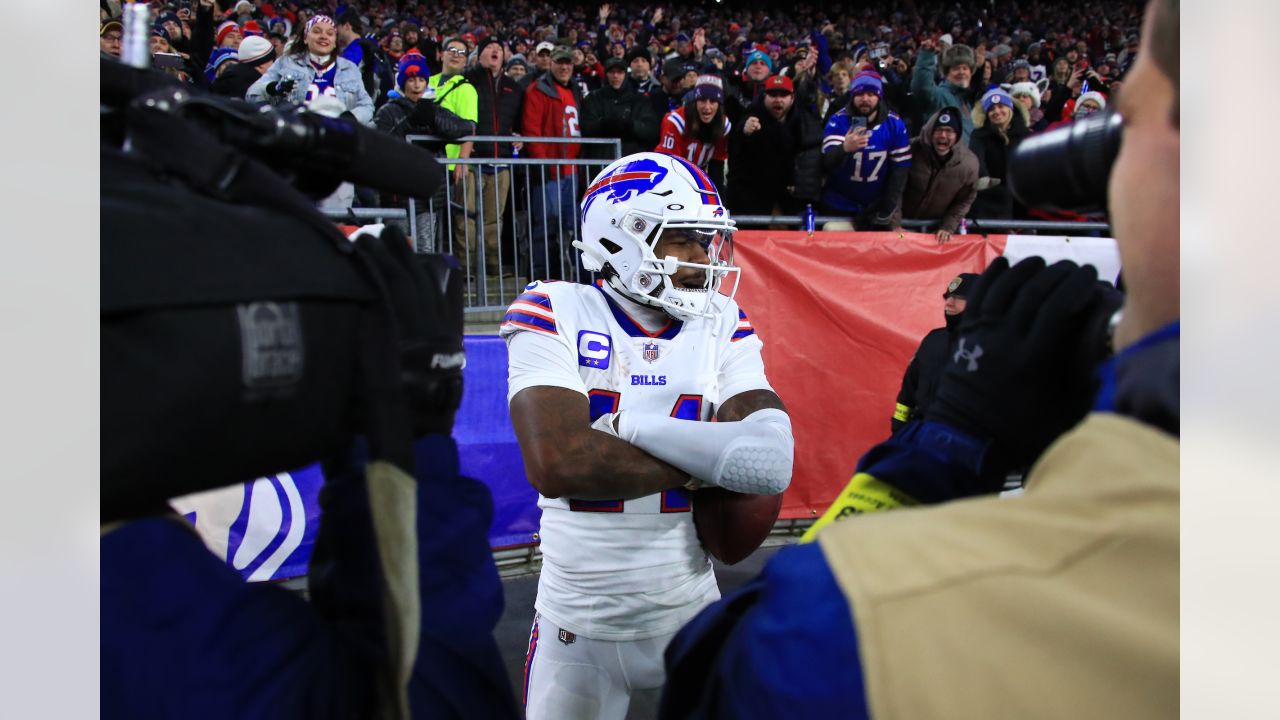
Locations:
753 455
535 358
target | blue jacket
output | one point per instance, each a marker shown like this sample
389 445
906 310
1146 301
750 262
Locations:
791 630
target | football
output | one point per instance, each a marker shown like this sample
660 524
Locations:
732 525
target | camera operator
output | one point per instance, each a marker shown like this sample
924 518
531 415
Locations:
261 339
1061 602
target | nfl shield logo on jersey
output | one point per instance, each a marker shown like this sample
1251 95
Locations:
650 353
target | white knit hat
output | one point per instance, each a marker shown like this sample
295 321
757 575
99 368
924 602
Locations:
1093 95
1024 88
255 50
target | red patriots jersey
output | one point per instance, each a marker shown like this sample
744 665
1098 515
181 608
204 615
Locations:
673 141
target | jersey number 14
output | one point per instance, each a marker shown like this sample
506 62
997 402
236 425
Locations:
687 407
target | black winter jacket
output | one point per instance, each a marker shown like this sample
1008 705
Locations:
499 102
624 114
235 81
396 118
924 372
993 149
779 163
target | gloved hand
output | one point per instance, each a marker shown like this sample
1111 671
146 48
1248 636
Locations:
1023 370
424 112
281 87
426 299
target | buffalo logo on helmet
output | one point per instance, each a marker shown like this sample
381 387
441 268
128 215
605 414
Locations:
718 212
625 182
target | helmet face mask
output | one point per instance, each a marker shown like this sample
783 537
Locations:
626 212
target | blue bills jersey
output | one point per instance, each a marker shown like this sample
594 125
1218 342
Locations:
858 182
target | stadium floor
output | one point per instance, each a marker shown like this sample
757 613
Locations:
513 630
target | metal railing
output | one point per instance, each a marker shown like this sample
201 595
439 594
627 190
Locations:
978 226
510 220
366 214
504 228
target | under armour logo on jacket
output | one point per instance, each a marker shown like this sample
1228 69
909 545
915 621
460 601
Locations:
970 355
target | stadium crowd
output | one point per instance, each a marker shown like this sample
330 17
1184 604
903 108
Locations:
876 113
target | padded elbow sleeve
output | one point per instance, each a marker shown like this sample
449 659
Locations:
754 455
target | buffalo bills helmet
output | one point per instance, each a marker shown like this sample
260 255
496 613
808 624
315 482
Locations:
625 211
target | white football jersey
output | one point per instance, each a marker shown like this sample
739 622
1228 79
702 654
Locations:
626 569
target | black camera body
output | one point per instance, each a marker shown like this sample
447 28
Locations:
1068 168
242 333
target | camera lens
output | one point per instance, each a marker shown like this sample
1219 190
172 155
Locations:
1067 168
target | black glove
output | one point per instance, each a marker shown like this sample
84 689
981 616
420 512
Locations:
280 87
426 302
424 113
1023 370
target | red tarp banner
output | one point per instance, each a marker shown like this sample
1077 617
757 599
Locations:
840 315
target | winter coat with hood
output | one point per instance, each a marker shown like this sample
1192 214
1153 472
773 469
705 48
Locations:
932 96
993 148
939 187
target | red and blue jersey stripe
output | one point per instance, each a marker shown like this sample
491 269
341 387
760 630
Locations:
635 329
744 327
532 311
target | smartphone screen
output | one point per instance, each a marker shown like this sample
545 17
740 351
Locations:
166 60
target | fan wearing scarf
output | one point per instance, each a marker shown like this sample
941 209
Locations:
312 73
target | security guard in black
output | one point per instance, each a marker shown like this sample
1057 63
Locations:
925 369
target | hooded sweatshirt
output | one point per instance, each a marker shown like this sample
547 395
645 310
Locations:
939 187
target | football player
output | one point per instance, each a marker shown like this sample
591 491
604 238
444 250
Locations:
866 153
607 386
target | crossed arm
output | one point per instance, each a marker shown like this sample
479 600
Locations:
564 456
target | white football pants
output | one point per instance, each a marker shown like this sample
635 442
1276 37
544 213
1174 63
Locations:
569 677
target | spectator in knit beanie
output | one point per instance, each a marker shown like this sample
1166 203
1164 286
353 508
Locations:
219 62
253 58
1019 72
958 63
942 182
517 67
698 130
1088 104
1000 125
757 66
228 35
640 75
411 110
1028 95
866 155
